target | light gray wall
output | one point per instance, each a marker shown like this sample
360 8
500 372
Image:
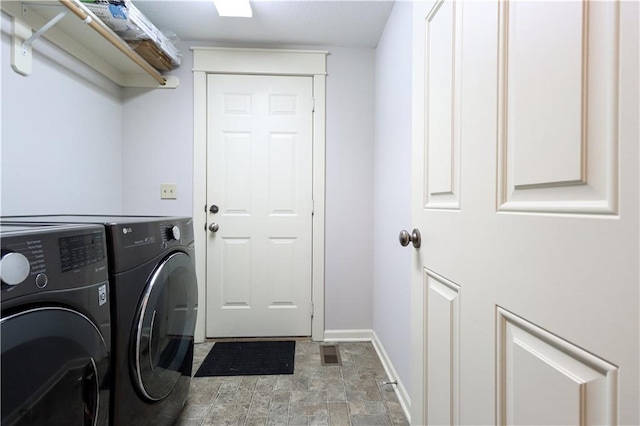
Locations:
157 148
61 135
157 145
392 189
349 189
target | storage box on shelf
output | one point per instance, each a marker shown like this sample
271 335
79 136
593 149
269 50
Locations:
126 20
82 34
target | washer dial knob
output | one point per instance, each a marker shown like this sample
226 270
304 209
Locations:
173 233
14 268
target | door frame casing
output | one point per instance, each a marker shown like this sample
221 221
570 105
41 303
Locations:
214 60
418 293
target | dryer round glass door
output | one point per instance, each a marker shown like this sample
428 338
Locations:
54 367
165 327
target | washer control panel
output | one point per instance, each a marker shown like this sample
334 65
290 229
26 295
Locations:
54 257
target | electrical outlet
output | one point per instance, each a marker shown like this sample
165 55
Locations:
168 191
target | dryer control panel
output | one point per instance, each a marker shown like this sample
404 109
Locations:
138 241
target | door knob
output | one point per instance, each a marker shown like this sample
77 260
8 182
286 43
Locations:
213 227
406 238
213 208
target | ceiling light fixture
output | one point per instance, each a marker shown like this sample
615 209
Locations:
234 8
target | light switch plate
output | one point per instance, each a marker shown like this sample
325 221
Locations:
168 191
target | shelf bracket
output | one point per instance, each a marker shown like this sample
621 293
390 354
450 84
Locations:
21 52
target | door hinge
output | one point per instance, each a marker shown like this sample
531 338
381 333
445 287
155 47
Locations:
312 308
313 207
313 104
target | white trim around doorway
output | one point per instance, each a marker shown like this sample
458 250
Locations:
213 60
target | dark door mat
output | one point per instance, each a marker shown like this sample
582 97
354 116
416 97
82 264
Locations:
248 359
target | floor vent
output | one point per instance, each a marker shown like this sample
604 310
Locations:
329 355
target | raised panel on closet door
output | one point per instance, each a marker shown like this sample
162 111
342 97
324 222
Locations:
558 116
443 346
282 173
442 106
237 173
236 273
545 380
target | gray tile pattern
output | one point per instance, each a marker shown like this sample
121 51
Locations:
348 395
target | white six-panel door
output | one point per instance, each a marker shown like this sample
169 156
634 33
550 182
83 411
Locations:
525 161
259 175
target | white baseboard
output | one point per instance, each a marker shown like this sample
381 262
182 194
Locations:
348 335
401 391
370 336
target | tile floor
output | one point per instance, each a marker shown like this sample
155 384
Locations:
352 394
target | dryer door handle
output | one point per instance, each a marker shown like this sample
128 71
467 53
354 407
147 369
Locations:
90 394
153 320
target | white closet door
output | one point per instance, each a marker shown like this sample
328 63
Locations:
259 175
526 285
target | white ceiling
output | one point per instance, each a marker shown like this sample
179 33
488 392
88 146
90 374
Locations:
275 23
